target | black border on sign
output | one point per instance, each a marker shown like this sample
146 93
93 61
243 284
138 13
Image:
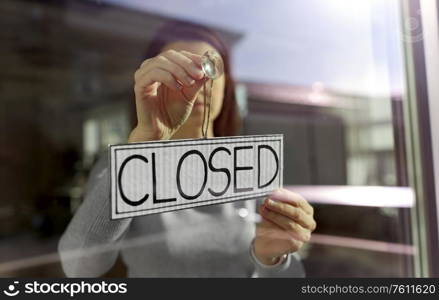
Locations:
200 140
194 202
190 142
246 197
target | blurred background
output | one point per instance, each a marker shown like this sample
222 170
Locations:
346 82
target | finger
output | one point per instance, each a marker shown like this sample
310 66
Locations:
144 67
145 62
191 93
266 229
178 72
194 57
293 198
147 66
185 62
295 245
293 228
155 75
295 213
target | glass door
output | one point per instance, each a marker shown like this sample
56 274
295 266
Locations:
348 83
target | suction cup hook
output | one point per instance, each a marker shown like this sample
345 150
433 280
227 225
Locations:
212 64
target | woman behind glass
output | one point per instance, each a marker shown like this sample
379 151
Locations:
219 240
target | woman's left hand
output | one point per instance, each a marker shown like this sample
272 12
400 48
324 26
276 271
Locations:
287 223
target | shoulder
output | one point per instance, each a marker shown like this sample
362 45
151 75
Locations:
101 164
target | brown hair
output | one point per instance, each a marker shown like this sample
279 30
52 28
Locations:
228 121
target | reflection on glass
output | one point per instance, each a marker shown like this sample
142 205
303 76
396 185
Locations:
334 91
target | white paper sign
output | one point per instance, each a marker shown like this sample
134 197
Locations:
162 176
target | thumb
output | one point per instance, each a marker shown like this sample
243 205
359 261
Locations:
191 92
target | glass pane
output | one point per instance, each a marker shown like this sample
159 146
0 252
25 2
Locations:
327 74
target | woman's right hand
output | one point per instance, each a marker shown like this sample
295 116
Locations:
166 87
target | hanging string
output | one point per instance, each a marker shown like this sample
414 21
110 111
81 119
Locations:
207 103
206 107
213 67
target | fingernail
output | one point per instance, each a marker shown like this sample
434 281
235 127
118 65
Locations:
198 72
271 202
280 195
191 81
277 193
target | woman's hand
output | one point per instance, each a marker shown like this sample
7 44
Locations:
287 223
166 87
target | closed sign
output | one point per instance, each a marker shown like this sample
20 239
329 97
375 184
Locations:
162 176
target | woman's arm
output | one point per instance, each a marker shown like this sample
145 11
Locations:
90 245
290 267
287 223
